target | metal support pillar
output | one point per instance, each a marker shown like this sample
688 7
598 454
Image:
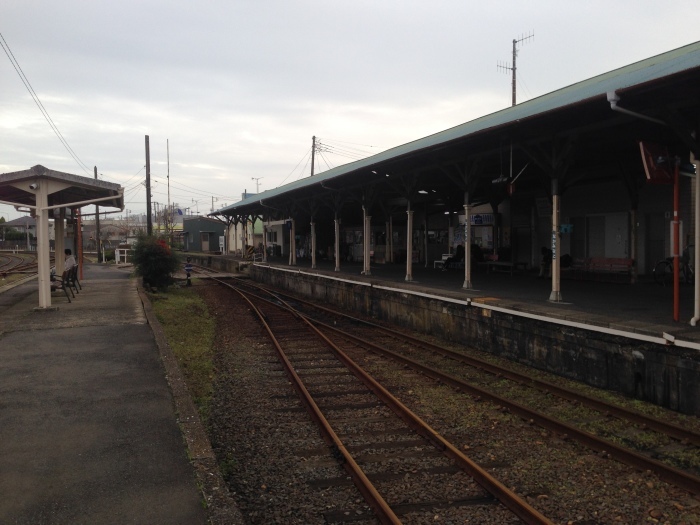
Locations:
409 244
336 224
467 246
313 245
555 295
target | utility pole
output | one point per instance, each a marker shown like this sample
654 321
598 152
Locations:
168 222
98 242
513 68
257 184
313 153
149 218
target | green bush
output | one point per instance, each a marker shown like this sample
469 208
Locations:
154 261
14 235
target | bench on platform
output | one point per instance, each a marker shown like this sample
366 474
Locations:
504 266
73 281
615 269
63 284
440 263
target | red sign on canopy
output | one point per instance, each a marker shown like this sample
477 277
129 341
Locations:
657 163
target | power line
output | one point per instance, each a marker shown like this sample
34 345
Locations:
307 154
25 81
353 143
201 192
320 154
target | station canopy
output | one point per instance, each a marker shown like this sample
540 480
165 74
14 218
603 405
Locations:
573 134
64 189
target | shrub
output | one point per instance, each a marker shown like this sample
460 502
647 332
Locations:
154 261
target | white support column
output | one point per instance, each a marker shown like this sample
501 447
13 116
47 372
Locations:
294 243
42 244
555 296
391 239
368 245
633 244
425 238
409 244
313 245
467 247
264 253
387 243
336 222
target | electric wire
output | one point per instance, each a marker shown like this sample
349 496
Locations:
198 191
35 97
306 156
320 153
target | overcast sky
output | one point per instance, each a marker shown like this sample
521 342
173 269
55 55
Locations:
238 88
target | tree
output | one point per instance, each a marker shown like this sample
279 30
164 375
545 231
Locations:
154 261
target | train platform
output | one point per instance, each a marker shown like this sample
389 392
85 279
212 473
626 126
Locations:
642 308
87 420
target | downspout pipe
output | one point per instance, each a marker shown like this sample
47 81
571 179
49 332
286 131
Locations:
614 98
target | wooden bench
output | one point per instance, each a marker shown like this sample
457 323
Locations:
610 269
454 264
504 266
440 263
73 279
63 284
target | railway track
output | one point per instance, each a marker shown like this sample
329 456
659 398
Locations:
591 427
17 267
357 414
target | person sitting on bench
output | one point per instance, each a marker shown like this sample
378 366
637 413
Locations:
545 263
70 260
456 257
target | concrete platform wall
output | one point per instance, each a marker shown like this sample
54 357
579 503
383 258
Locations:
664 375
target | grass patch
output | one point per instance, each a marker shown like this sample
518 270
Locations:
189 330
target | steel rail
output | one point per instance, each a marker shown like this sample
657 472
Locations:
508 498
670 474
364 485
665 427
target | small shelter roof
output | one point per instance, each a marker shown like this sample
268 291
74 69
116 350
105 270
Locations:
71 190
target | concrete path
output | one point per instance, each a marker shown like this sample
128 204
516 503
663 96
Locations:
87 424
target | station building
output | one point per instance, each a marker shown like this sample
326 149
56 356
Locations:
585 171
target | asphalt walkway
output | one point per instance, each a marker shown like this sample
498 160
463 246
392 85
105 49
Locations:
87 421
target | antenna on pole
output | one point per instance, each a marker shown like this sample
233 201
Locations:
257 183
513 68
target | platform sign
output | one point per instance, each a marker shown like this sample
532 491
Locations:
657 163
479 219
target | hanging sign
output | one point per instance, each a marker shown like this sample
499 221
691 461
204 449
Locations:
657 163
